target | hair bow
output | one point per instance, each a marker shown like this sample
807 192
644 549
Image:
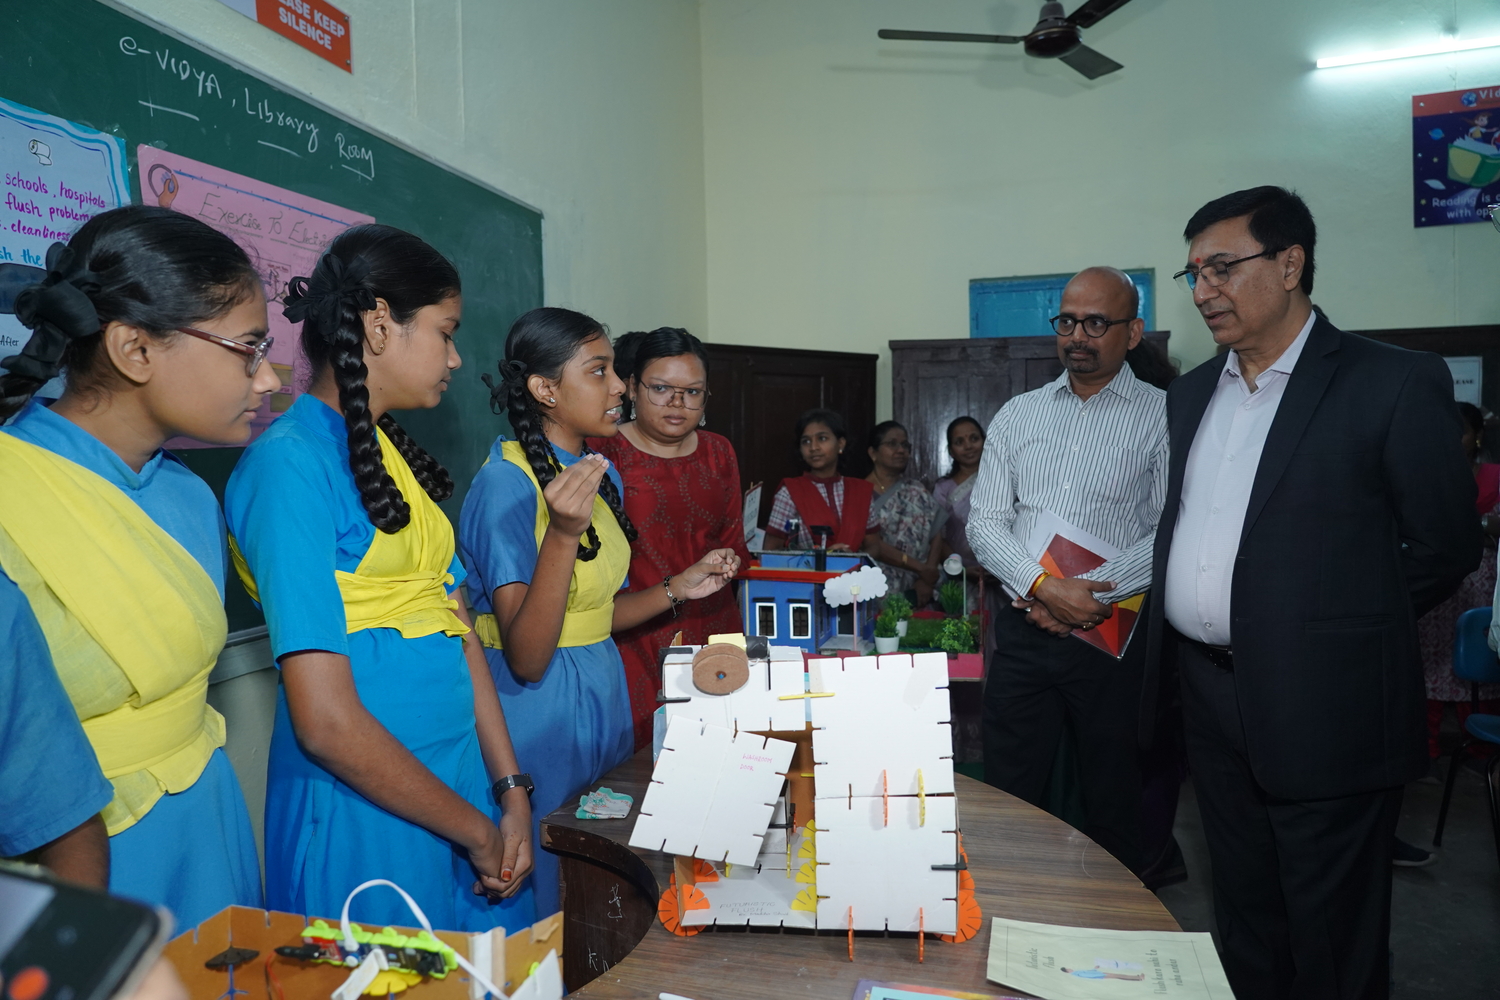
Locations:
58 310
332 286
512 375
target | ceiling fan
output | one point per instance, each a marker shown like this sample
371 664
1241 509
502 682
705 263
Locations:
1055 36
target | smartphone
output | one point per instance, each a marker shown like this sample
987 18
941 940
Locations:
64 942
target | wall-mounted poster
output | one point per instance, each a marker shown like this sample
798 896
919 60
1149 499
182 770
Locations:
58 175
1456 147
283 232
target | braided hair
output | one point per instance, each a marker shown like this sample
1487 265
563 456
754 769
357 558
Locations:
542 342
361 264
147 266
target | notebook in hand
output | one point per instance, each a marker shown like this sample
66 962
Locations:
1065 550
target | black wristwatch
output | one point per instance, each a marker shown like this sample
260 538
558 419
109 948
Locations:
510 781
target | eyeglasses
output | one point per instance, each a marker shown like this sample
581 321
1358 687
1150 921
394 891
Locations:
1215 274
1493 211
254 355
1094 326
662 394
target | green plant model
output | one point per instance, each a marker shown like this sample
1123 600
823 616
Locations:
959 635
885 626
951 597
898 607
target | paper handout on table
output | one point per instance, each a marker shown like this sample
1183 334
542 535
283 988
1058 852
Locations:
712 793
1066 550
869 989
1084 963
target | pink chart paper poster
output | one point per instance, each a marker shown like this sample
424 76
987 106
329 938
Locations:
282 231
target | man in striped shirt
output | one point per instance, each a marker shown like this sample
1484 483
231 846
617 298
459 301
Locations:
1091 449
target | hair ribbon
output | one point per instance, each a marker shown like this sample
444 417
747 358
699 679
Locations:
57 309
323 296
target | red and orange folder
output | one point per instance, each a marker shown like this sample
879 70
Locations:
1065 550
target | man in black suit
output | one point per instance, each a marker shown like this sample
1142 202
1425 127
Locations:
1317 503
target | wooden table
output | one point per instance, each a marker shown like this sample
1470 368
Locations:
1025 863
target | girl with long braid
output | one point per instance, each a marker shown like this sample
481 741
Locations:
388 733
113 559
546 541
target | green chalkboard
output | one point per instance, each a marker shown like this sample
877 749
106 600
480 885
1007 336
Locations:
81 60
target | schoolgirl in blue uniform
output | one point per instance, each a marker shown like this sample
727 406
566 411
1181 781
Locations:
51 788
388 733
119 550
546 541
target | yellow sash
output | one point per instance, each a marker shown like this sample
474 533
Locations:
591 594
133 622
402 582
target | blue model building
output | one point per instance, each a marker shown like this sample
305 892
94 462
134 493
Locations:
782 600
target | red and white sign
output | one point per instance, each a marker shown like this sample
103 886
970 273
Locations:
316 25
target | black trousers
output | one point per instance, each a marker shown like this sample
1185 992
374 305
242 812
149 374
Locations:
1036 681
1302 889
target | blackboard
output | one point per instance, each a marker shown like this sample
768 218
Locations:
81 60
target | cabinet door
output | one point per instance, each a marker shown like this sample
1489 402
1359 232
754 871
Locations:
934 381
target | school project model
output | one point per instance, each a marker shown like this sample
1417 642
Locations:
807 792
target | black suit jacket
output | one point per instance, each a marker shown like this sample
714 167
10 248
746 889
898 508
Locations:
1361 518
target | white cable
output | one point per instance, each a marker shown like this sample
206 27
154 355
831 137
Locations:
352 945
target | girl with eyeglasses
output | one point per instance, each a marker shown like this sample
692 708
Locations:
682 493
390 756
117 552
546 540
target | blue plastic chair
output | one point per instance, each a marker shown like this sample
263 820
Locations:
1475 662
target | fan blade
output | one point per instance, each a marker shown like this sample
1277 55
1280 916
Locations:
1094 11
1090 63
948 36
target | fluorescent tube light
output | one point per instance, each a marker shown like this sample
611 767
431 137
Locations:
1430 49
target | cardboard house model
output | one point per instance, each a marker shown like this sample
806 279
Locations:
782 601
812 793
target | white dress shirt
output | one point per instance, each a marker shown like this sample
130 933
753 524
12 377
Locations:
1216 484
1098 463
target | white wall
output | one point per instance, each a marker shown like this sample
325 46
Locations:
854 186
590 112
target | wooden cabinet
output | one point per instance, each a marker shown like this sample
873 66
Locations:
934 381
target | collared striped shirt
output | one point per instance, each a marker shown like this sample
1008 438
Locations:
1098 463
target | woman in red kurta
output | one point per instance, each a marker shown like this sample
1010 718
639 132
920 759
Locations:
682 493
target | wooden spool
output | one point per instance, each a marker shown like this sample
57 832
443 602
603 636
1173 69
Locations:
720 668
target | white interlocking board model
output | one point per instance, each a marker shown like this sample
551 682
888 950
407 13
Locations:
881 869
757 706
759 896
712 793
888 717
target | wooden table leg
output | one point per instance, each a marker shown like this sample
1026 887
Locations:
607 909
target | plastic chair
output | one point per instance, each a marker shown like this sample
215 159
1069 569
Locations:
1475 662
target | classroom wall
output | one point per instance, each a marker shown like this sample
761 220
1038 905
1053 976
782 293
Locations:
588 112
854 186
